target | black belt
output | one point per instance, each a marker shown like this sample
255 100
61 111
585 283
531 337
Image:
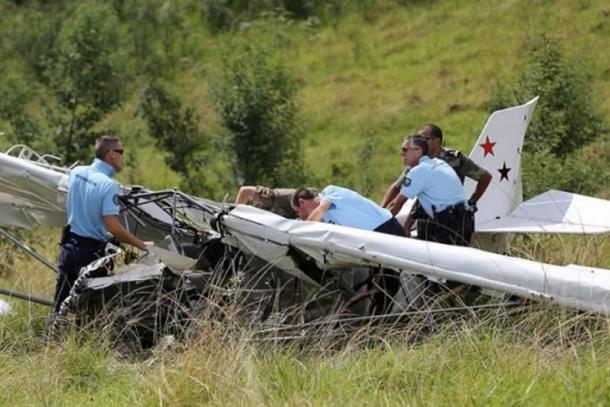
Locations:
89 241
457 206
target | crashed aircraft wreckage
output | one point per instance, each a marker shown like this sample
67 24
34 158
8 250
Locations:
314 268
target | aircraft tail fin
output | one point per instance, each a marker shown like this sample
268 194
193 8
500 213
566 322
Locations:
498 150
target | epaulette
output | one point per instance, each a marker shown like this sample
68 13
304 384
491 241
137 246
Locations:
453 153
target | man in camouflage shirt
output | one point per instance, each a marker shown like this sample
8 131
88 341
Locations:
462 165
275 200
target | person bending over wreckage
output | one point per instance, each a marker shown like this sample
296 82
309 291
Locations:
92 209
345 207
274 200
442 202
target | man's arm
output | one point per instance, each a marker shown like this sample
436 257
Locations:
117 230
408 225
396 205
320 211
390 194
477 173
481 186
245 195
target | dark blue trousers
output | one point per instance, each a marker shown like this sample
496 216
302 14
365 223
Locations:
76 252
391 227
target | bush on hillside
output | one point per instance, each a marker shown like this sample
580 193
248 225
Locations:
34 36
14 97
176 130
157 35
85 77
221 15
566 119
255 101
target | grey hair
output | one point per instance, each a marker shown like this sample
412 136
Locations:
104 144
421 143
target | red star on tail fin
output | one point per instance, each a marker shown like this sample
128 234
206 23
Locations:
488 147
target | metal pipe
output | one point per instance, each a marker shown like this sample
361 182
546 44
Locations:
174 214
26 249
27 297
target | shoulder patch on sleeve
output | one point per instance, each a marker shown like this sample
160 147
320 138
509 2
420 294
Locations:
454 153
115 200
406 181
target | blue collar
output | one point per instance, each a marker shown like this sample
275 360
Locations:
423 158
103 166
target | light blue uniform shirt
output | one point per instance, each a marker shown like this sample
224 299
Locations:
91 196
349 208
433 182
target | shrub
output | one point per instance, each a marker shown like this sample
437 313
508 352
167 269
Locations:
255 101
221 15
14 96
566 120
176 131
85 78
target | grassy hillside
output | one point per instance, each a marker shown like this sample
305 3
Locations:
429 63
370 76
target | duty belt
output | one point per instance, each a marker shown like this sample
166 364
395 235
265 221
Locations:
87 241
461 206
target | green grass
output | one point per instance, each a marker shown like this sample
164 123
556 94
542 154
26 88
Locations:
542 357
539 354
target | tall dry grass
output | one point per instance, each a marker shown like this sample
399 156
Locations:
527 354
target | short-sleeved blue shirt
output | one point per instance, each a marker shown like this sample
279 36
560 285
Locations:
92 194
433 182
349 208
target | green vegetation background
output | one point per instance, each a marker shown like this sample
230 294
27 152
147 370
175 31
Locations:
367 74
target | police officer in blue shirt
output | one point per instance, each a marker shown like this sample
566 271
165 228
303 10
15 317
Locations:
345 207
461 164
93 209
440 195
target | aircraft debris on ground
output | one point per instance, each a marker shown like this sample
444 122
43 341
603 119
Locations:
208 254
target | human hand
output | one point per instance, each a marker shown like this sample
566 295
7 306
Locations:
266 193
147 246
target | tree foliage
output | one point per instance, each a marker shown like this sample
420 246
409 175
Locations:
14 97
175 130
566 120
223 14
255 101
85 77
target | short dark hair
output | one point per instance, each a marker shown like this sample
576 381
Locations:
104 144
420 142
435 131
303 193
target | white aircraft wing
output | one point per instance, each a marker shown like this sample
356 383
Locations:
554 212
271 237
31 193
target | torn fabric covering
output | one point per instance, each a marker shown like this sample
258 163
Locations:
30 194
332 246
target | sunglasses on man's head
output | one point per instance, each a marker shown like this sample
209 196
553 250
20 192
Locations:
120 151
